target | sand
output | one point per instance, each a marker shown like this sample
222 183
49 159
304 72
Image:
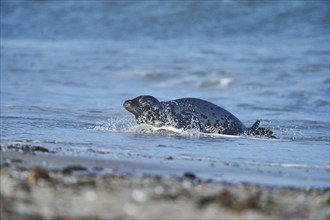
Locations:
37 184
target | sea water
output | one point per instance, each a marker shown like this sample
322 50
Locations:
68 66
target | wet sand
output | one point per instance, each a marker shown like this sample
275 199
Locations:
38 184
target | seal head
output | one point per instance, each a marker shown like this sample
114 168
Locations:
146 110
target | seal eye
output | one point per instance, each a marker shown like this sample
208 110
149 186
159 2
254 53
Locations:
142 101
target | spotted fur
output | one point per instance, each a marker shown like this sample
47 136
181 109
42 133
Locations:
190 113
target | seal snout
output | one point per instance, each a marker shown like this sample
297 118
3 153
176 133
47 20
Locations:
127 104
130 106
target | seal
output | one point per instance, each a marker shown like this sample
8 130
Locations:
190 113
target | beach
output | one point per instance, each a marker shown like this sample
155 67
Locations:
36 184
70 150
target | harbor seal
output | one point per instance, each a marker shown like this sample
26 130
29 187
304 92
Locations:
190 113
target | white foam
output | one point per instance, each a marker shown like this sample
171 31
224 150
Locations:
114 124
289 165
127 124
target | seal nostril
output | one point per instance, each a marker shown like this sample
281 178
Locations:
127 103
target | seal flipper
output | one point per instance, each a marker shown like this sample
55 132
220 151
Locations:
255 130
210 129
254 127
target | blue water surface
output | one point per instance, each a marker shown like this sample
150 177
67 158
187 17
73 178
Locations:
68 66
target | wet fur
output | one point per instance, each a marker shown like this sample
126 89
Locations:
190 113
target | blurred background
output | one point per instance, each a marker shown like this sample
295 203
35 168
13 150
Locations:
68 66
106 51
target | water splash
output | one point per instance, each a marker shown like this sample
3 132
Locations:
128 125
115 123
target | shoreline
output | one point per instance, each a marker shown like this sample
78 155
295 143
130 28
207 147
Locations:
232 172
37 185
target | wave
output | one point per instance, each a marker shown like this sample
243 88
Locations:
162 19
